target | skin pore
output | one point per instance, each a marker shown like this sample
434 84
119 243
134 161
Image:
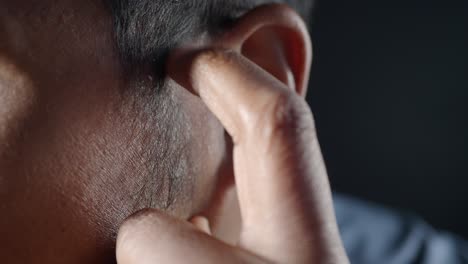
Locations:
81 147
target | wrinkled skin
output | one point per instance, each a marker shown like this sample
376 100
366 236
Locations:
80 150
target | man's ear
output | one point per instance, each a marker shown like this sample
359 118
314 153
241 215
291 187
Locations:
274 37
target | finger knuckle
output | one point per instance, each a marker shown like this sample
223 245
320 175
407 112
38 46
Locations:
286 114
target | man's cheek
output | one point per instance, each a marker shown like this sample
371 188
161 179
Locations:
67 171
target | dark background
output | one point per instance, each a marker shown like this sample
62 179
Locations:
389 93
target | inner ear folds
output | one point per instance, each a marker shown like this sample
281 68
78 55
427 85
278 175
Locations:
269 48
276 38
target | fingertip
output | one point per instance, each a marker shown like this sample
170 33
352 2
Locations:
134 233
190 68
135 222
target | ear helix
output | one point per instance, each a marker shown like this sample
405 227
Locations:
287 26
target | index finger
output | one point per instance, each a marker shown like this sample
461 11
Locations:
282 184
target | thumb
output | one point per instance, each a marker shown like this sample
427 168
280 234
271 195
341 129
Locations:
150 236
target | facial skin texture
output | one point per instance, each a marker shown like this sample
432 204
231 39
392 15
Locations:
81 149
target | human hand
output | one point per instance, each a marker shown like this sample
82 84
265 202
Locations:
282 184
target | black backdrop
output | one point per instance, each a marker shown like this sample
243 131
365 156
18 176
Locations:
389 91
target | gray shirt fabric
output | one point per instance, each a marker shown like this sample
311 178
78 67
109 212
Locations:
375 235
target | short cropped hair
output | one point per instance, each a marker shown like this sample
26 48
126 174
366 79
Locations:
145 30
